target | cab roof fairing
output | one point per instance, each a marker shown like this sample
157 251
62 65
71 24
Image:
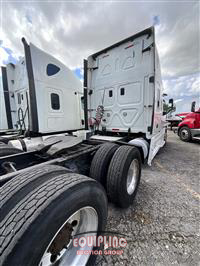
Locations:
149 31
65 75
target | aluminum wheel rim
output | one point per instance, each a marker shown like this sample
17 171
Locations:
132 176
184 134
87 221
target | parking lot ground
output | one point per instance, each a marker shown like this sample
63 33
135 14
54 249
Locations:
162 226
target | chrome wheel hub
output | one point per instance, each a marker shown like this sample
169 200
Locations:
60 250
132 176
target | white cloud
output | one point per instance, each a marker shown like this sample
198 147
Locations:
196 85
178 101
3 56
71 31
182 86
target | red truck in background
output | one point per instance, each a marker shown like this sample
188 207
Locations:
189 127
182 115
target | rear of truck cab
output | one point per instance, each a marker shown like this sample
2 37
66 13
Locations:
42 95
124 83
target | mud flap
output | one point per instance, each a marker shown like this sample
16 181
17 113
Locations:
157 142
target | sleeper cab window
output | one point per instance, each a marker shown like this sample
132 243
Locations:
55 101
110 93
52 69
122 91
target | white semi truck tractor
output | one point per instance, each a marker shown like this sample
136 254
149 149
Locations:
67 148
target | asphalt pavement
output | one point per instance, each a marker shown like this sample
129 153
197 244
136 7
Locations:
162 226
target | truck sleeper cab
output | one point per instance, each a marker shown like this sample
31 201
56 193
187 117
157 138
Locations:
125 93
42 94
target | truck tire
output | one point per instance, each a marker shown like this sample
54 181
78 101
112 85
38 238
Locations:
124 176
38 230
7 150
17 188
185 134
101 161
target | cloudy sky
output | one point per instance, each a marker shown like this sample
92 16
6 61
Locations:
72 30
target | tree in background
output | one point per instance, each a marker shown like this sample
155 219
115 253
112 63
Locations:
168 110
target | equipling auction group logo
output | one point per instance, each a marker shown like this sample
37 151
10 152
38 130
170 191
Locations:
85 244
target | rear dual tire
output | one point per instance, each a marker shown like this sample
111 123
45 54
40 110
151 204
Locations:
6 150
30 227
123 176
101 161
118 169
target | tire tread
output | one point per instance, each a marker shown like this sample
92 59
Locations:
101 161
7 150
115 172
18 187
22 215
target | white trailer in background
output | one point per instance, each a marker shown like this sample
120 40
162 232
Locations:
45 162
